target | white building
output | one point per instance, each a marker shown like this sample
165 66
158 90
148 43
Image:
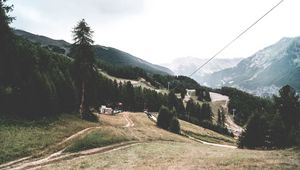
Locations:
106 110
190 92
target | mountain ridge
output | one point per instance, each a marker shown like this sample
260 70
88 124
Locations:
271 67
107 54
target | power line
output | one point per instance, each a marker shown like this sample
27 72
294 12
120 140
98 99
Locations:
237 37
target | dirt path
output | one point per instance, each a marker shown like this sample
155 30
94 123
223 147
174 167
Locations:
229 123
236 129
28 162
65 156
129 121
29 159
211 144
198 140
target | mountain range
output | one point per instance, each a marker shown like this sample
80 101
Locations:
109 55
261 74
186 65
265 71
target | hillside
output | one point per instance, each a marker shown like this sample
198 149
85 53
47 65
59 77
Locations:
142 145
141 82
106 54
265 71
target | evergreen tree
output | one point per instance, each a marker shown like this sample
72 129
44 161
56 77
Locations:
84 69
221 117
206 112
164 117
167 120
219 121
278 132
129 101
174 125
288 106
255 134
6 45
190 108
172 100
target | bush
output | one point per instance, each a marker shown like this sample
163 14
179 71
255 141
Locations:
167 120
90 117
164 117
174 126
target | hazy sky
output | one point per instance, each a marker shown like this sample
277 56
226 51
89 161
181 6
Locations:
162 30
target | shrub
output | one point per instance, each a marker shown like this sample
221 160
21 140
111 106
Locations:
164 117
167 120
90 117
174 126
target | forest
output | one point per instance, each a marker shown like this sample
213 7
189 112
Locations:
35 83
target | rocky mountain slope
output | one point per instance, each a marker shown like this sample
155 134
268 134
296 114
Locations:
265 71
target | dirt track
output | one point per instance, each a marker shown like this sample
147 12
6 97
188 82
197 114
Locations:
229 123
29 162
142 136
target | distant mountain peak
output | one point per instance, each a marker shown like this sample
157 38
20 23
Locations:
186 65
273 66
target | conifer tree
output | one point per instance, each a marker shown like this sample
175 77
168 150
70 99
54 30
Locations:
288 106
6 42
255 134
83 65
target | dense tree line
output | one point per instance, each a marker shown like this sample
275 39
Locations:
243 104
125 72
37 82
199 112
195 113
179 84
133 98
280 128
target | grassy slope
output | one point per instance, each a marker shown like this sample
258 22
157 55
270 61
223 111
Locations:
23 138
160 149
163 150
96 139
205 134
180 155
136 83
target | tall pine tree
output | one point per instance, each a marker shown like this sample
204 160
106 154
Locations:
6 44
288 106
84 69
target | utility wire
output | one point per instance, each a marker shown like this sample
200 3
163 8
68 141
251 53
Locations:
237 37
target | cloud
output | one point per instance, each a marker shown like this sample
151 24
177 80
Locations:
161 30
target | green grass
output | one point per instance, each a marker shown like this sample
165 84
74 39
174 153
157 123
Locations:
95 139
20 138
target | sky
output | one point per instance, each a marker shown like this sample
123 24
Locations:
160 31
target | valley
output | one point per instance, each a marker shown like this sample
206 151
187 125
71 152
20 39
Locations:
82 105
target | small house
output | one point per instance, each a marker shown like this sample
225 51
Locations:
190 92
106 110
